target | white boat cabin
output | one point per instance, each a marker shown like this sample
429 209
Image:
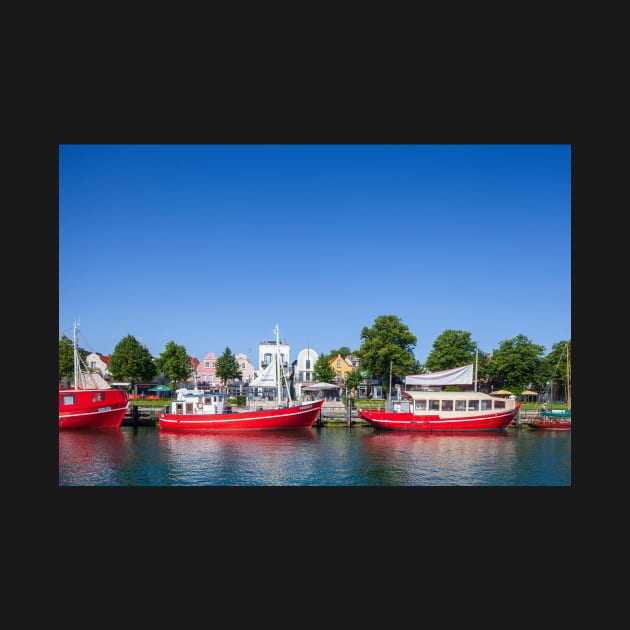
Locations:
449 404
195 402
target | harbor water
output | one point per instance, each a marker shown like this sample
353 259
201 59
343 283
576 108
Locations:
326 456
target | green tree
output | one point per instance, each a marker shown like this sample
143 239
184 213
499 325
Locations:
515 364
344 351
228 368
66 358
353 379
322 371
174 362
131 361
553 367
453 348
388 343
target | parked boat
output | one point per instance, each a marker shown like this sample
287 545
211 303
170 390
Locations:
444 411
88 405
196 410
556 419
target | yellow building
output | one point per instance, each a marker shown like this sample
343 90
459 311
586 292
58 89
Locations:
340 367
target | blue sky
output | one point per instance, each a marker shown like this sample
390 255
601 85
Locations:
211 246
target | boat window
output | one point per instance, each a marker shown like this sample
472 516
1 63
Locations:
421 405
486 404
473 405
68 399
434 405
98 396
499 404
447 405
460 405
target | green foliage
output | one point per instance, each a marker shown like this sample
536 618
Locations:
228 368
554 365
174 362
322 371
66 358
515 364
387 342
344 351
353 379
131 361
453 348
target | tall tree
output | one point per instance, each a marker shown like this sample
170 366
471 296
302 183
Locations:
553 368
344 351
353 380
515 364
228 368
174 362
453 348
131 361
322 371
387 345
66 358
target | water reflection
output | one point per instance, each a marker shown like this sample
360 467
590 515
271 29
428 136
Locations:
90 456
452 459
239 458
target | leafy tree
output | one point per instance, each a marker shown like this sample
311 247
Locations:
387 343
174 362
515 364
131 361
554 367
322 371
66 358
453 348
228 368
344 351
353 379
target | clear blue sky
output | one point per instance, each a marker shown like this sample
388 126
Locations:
163 242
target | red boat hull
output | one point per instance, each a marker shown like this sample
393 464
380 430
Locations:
551 424
400 421
92 408
297 416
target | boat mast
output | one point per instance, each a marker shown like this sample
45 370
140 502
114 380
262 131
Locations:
476 365
278 379
75 353
568 377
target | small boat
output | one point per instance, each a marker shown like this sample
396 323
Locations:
86 405
196 410
556 419
444 411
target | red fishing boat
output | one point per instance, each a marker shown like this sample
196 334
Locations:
196 410
86 405
444 411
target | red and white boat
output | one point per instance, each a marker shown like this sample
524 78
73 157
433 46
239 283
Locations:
195 410
199 411
444 411
86 405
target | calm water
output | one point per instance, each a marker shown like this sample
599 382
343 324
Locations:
327 456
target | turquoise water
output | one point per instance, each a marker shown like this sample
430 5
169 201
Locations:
327 456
